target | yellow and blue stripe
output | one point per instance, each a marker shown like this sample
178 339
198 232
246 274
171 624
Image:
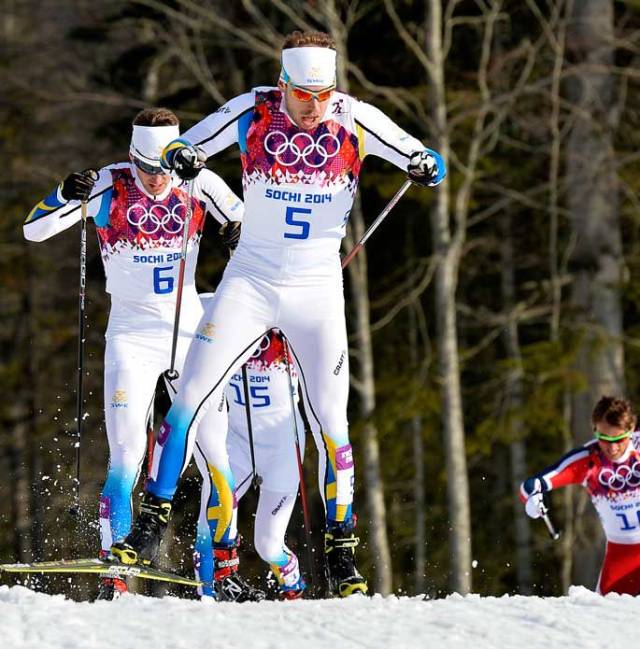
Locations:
46 206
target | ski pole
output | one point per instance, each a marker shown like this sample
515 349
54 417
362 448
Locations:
172 374
373 227
553 533
74 510
256 480
303 489
151 442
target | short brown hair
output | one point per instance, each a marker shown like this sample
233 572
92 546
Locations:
616 412
308 39
156 117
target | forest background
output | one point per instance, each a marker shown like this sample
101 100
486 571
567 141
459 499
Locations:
486 316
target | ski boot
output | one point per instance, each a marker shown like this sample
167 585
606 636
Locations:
142 543
111 588
340 548
295 591
291 584
229 585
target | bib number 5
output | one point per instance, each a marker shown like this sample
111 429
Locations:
302 226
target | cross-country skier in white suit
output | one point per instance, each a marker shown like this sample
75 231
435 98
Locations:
138 210
302 145
273 460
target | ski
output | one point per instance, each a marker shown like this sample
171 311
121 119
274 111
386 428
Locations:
102 567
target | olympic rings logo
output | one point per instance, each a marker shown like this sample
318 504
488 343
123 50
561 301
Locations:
623 476
303 147
265 343
149 220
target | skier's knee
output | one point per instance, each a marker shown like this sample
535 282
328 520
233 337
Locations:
269 549
335 427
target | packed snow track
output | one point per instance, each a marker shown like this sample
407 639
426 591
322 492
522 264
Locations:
581 620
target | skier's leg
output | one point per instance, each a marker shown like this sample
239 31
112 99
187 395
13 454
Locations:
620 572
319 346
129 383
226 337
320 351
217 562
232 324
202 552
272 518
277 465
203 548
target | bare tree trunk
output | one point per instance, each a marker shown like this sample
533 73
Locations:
514 401
448 249
557 41
378 537
33 455
597 262
20 492
567 541
420 518
416 426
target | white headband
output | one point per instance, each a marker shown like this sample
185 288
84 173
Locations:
309 66
147 142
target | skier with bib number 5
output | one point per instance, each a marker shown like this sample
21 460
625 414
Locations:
302 145
608 467
139 210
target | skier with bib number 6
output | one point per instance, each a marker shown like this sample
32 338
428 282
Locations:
302 145
608 467
139 210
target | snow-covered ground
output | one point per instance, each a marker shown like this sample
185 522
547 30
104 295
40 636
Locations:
581 620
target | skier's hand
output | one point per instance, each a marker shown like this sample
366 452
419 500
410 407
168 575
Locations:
230 233
426 168
184 158
535 503
77 186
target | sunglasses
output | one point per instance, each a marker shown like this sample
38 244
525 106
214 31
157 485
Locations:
611 438
302 94
153 170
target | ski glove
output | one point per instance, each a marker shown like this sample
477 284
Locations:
535 503
230 233
184 158
78 185
426 168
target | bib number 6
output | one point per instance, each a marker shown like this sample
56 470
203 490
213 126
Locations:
162 280
302 226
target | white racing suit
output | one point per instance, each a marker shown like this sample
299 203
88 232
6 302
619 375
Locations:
272 412
299 188
140 239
